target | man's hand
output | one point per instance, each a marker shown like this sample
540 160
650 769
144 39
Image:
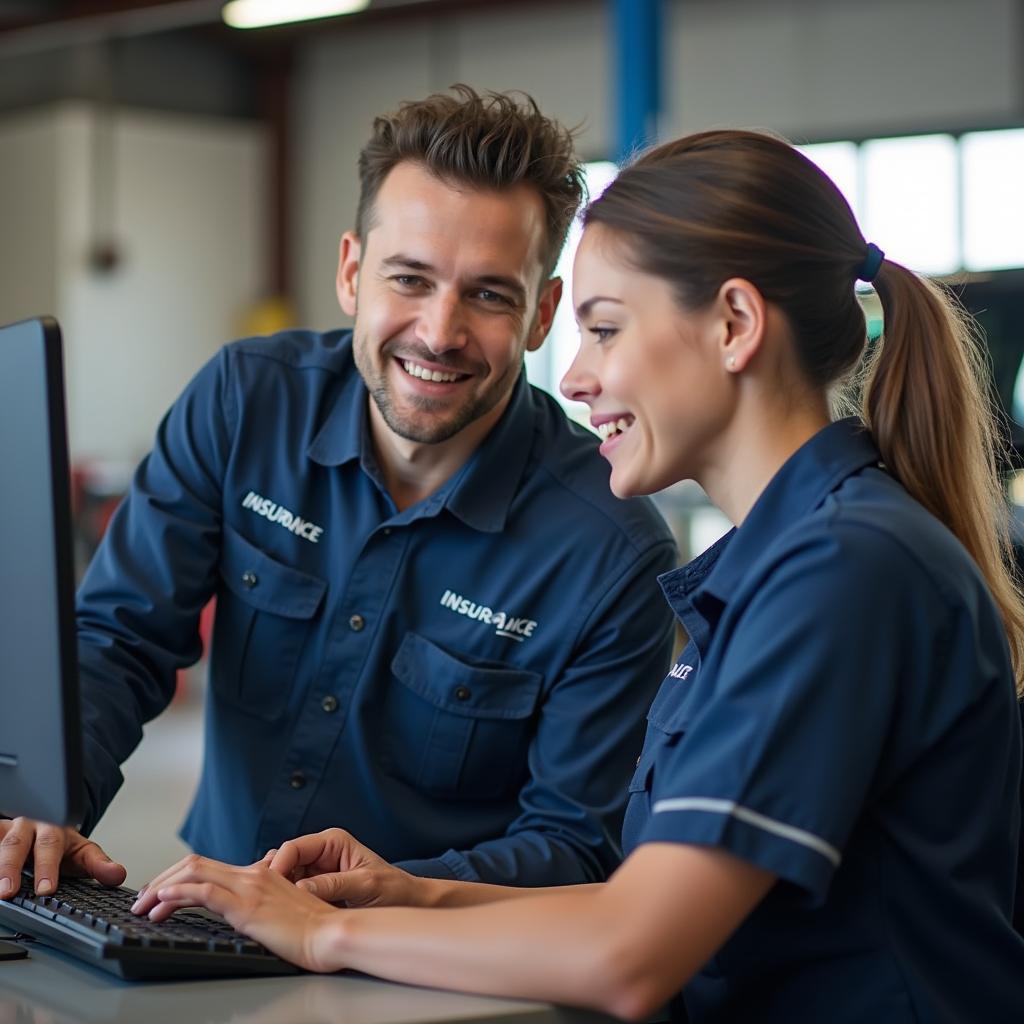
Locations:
338 869
52 851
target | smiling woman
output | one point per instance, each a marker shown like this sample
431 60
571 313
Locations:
805 839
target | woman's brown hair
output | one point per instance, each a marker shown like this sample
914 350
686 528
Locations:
723 204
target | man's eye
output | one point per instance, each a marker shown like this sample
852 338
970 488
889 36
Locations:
408 280
493 297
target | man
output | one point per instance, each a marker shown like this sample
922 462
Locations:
435 626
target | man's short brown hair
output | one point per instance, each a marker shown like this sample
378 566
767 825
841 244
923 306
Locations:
489 141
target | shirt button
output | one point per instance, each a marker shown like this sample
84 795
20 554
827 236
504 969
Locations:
387 531
329 704
249 579
356 622
297 781
462 693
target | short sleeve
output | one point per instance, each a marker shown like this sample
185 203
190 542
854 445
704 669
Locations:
799 688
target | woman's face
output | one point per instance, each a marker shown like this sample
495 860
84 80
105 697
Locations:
651 372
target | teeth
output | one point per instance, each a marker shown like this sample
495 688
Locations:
415 370
612 427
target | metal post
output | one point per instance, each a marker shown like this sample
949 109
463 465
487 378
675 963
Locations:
637 33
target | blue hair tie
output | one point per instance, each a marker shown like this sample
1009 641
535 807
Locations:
872 263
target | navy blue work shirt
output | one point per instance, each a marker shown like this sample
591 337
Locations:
461 684
845 717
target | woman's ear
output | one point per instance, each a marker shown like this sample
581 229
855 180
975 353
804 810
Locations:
743 312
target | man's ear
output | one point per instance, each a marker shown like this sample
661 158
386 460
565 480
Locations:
742 310
547 304
347 282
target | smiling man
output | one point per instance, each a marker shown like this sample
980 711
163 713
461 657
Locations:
435 625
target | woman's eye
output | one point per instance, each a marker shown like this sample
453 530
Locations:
602 334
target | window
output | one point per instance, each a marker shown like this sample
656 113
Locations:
993 191
548 364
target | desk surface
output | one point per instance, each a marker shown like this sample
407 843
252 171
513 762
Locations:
51 988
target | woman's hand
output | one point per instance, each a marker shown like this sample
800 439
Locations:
335 867
255 900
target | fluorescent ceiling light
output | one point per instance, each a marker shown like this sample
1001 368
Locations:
911 193
261 13
993 169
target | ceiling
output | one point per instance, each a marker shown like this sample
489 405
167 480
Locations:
24 13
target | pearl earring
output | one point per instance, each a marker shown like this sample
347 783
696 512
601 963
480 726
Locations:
730 363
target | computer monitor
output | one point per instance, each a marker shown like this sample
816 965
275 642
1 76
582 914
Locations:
40 739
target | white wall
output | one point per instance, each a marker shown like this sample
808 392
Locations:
186 207
831 68
28 218
808 68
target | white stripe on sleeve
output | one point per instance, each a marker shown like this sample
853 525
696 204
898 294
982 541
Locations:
735 810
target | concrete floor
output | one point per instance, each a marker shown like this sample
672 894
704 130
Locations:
140 827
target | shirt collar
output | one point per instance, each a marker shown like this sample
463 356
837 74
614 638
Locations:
340 438
805 480
480 493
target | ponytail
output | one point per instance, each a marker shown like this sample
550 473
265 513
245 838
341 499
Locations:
926 401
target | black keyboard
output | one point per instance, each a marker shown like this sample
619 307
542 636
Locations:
95 924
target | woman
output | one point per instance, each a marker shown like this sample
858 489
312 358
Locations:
823 822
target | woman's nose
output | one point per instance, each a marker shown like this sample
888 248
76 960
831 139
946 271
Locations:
580 383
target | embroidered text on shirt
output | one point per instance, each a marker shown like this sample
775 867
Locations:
504 624
279 514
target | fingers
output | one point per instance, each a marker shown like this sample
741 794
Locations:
47 854
358 888
175 895
90 859
285 860
305 851
52 849
333 887
15 848
148 898
46 845
164 895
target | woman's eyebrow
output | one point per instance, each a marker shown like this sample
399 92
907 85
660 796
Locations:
584 307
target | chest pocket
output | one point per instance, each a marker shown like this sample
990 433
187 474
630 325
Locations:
264 615
456 729
667 722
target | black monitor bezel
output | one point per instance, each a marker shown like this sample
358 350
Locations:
71 801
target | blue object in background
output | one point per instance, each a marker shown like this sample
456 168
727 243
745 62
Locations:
637 36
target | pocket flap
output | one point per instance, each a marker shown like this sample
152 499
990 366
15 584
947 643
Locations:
642 776
265 583
672 707
457 686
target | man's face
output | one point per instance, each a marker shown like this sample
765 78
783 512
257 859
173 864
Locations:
447 294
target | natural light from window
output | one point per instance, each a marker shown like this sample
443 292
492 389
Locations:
548 364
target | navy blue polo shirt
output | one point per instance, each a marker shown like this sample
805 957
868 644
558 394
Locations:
461 684
844 716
